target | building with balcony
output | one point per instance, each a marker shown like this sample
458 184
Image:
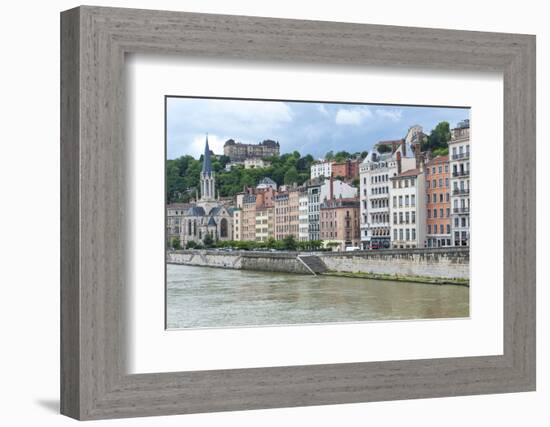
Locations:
408 209
459 164
303 217
376 170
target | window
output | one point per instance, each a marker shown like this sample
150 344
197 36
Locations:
433 169
395 218
447 182
434 197
407 200
441 198
440 169
440 182
448 212
394 234
413 217
406 183
408 234
441 228
429 229
429 213
400 201
394 201
413 233
435 213
406 217
413 200
434 183
448 228
401 234
400 217
428 184
441 213
446 168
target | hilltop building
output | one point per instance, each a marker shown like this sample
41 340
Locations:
239 152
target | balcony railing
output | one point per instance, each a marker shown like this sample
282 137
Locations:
460 156
459 191
461 173
461 210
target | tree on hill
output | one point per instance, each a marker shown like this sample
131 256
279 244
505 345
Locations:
439 137
291 176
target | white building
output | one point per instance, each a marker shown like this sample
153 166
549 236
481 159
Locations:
237 224
408 210
303 217
375 173
340 189
321 168
255 162
459 163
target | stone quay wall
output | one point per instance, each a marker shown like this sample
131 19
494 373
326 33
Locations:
450 263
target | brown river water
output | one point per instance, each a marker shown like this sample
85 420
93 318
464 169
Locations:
203 297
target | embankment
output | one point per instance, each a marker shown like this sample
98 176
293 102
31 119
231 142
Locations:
448 265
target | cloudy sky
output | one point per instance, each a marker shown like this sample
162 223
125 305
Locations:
310 128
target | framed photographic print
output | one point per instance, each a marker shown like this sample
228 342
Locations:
261 213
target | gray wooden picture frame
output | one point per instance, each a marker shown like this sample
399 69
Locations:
94 41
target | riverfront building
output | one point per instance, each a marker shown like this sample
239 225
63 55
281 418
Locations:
408 212
438 202
375 173
174 218
340 222
303 217
459 151
313 207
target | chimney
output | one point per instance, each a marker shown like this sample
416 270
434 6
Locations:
398 163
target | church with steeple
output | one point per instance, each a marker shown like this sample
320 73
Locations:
207 215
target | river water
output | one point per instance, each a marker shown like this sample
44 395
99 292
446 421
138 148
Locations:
203 297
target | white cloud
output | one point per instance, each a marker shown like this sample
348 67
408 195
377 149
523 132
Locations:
322 109
215 143
391 114
352 116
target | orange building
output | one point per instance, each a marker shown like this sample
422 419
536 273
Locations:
340 222
438 202
348 169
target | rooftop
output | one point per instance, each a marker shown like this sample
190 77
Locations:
410 172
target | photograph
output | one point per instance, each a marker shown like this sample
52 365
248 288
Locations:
299 212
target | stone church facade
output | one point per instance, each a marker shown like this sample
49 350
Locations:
207 215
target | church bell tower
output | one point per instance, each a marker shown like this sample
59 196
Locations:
208 181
